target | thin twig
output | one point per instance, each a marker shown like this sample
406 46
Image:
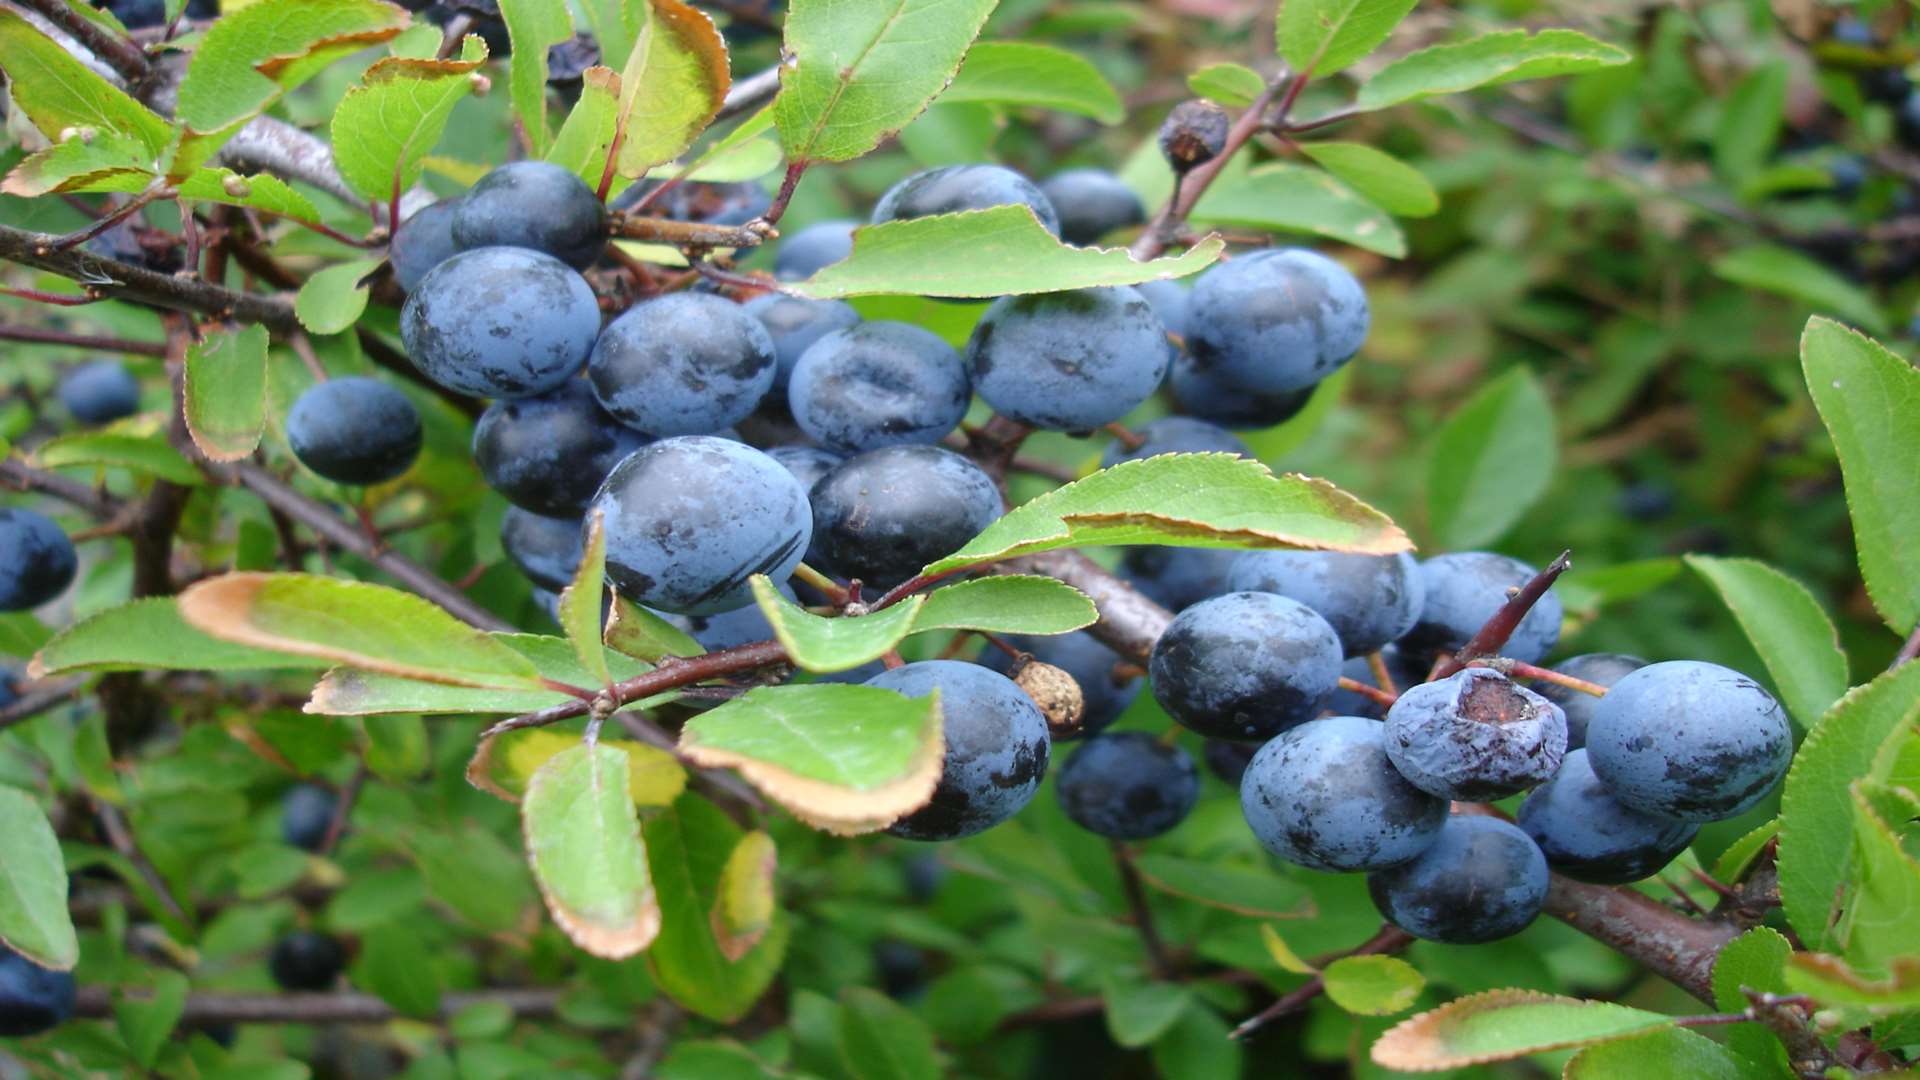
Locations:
1136 892
1172 217
38 700
1490 638
111 278
41 336
123 56
1390 939
206 1009
121 838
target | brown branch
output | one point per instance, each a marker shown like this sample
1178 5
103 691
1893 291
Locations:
206 1009
1669 944
1390 939
691 233
1167 224
1136 893
750 93
123 56
39 336
1490 638
23 477
670 674
38 700
112 279
1908 650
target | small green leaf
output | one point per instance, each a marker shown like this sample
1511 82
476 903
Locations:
749 159
640 633
533 26
353 622
1297 199
33 890
1830 981
1789 273
984 253
846 759
672 86
146 454
1881 919
394 963
386 126
1041 76
688 846
349 691
21 634
587 134
1501 1025
145 1022
1490 461
1198 1045
226 391
841 644
1233 85
1138 1013
1733 863
504 764
1787 628
1672 1054
1243 890
860 72
583 841
1007 604
1503 56
1756 960
1750 121
259 192
332 299
1869 399
743 904
1320 37
1185 500
580 604
79 164
1282 953
57 92
880 1040
1586 590
1373 985
475 874
147 635
952 133
1391 184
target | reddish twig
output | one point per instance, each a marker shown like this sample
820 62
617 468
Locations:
1390 939
1490 638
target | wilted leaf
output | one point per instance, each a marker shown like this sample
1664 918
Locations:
503 764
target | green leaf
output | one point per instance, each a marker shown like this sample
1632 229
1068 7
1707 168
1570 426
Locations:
533 27
1733 863
640 633
1755 960
1140 1012
587 133
353 622
983 253
145 1022
1787 628
1881 919
1869 399
1007 604
21 634
1586 590
1320 37
672 87
1373 985
332 299
1503 56
1272 445
394 963
860 72
1282 953
1490 461
504 765
583 841
1750 121
952 133
347 691
749 159
743 903
846 759
1500 1025
395 747
78 164
579 606
1198 1046
1184 500
1817 861
1041 76
1294 198
688 846
258 192
147 454
1232 85
1789 273
386 126
1243 890
475 874
149 634
841 644
1388 182
226 391
1674 1054
880 1040
33 885
58 92
1831 982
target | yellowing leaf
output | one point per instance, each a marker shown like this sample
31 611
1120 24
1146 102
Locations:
672 86
1500 1025
580 603
503 764
743 905
1282 953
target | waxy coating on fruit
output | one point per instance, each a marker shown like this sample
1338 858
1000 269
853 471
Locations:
1689 740
1245 665
307 960
423 242
1068 361
1104 693
689 521
955 188
33 1000
1587 835
546 549
1092 203
1323 795
1369 600
1276 321
39 561
1177 578
306 813
882 516
1206 395
549 454
1482 879
1475 736
996 748
878 384
804 252
355 430
100 392
500 322
1463 591
1128 785
537 205
1601 669
682 364
794 323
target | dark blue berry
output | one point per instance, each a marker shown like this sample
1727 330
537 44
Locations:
1368 599
1068 361
1481 880
1128 785
996 754
1276 321
500 322
794 323
1587 835
1210 397
1323 795
307 960
37 561
1175 435
1475 736
548 454
954 188
1463 591
32 999
1602 669
1245 665
1092 203
1689 741
100 392
423 242
878 384
682 364
546 549
1176 578
804 252
882 516
306 813
354 430
534 204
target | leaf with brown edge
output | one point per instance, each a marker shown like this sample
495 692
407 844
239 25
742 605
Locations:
1500 1025
587 133
503 765
1185 500
583 842
355 623
579 607
743 904
844 759
672 87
